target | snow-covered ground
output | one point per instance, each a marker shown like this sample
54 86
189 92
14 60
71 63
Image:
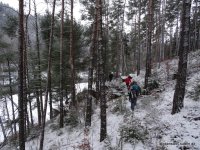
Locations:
153 125
79 87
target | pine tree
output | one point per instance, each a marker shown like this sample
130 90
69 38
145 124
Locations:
10 29
118 19
103 130
39 84
11 94
183 55
26 70
61 66
73 90
149 41
48 85
139 38
21 77
91 71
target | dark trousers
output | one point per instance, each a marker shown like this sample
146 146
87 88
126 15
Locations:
132 99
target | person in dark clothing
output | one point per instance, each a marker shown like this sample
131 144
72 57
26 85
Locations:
132 99
135 87
111 76
135 91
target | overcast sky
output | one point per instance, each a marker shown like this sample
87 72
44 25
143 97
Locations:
42 6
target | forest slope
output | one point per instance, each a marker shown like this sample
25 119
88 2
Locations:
150 126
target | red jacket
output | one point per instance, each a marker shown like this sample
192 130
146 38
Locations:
127 81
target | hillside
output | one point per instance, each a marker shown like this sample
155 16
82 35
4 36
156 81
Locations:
6 10
150 126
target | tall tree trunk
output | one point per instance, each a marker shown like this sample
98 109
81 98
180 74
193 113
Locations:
97 54
157 36
163 31
73 90
198 38
106 35
11 95
5 99
30 109
124 65
171 42
61 67
26 79
177 36
29 98
39 82
183 55
48 87
119 51
21 100
103 130
50 94
7 111
139 40
149 37
195 25
135 46
90 76
38 108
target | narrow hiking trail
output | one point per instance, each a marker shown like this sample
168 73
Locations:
145 117
165 131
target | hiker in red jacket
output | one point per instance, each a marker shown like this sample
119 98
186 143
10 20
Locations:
127 81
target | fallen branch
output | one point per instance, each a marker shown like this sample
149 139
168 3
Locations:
196 118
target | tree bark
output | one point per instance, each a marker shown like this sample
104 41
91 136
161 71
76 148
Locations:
149 37
39 83
90 76
139 40
48 85
195 26
163 31
177 35
21 101
103 130
11 95
183 55
61 66
73 90
124 65
26 78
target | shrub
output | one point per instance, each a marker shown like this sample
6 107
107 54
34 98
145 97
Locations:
119 106
132 133
71 119
54 126
195 93
82 95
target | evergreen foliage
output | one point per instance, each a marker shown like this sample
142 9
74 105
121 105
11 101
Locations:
10 26
195 93
133 133
71 119
79 47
